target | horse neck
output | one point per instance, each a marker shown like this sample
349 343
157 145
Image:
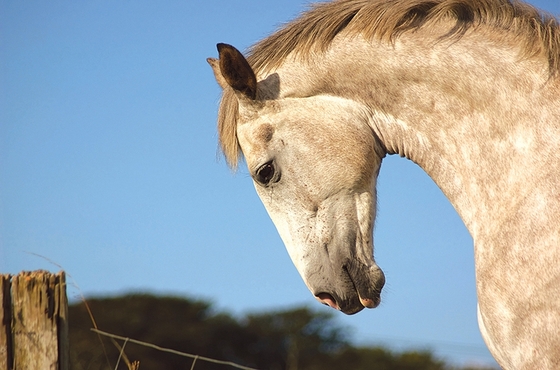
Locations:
471 114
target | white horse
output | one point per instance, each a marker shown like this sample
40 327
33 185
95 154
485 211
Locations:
467 89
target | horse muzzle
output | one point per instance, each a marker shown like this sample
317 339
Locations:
357 288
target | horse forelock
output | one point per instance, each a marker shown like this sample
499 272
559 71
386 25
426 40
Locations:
536 33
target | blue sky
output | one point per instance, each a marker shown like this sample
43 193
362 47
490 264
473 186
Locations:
109 168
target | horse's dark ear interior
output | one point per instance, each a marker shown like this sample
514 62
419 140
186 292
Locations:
237 71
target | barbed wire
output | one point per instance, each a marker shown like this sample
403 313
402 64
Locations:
162 349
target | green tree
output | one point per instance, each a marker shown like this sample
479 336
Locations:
291 339
294 339
365 358
177 323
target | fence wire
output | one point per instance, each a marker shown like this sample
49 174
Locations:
162 349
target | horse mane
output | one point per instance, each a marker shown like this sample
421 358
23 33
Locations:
538 34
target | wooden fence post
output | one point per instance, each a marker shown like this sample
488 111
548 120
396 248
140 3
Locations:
34 321
5 323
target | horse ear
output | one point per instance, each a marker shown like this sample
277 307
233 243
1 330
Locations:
232 69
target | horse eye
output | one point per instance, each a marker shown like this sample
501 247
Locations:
265 173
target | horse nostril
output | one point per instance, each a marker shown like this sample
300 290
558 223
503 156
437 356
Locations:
327 299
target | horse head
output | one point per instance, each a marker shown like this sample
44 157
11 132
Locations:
314 162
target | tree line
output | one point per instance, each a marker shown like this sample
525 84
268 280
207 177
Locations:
291 339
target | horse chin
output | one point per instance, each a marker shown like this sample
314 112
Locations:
352 307
353 310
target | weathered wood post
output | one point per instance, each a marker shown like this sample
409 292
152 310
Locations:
33 321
